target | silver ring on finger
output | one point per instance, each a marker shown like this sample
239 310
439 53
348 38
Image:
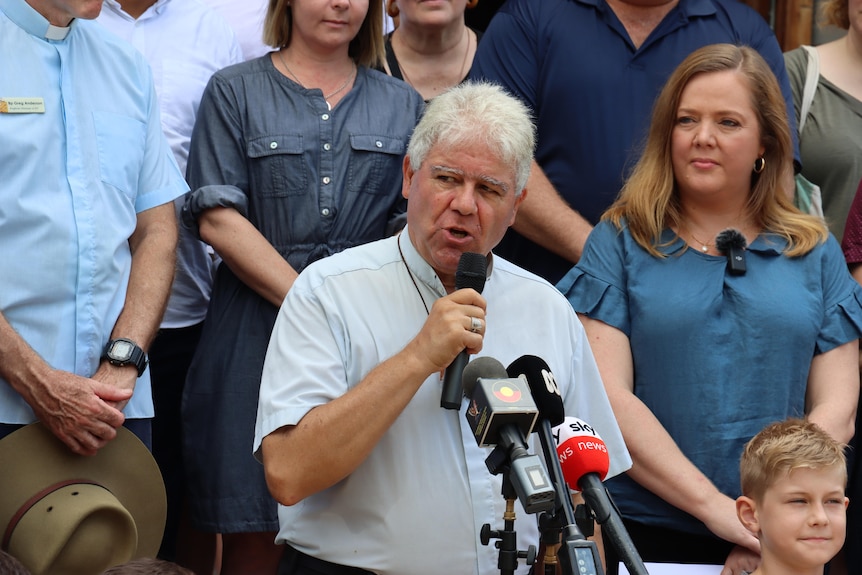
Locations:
476 324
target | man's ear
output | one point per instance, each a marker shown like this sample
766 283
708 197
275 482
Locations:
407 177
746 511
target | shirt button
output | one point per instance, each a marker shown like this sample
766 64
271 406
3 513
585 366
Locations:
324 117
273 145
327 147
378 143
326 179
325 212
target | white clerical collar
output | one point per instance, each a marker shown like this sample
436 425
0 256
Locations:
56 32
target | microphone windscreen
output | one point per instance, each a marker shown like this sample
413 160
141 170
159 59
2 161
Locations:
471 271
484 367
580 450
535 371
729 239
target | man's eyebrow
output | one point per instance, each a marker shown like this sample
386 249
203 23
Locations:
481 177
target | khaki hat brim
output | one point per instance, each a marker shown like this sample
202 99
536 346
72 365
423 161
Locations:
33 459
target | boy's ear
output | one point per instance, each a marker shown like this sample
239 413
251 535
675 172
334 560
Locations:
746 511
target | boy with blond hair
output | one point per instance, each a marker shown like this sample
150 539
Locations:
793 476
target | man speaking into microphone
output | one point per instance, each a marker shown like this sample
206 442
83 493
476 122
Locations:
371 474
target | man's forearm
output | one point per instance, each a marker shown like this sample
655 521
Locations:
545 218
153 247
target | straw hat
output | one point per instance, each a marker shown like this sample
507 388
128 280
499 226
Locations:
68 514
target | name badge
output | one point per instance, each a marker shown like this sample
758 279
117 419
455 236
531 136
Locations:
22 106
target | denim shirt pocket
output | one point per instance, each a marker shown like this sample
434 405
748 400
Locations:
120 143
277 165
373 162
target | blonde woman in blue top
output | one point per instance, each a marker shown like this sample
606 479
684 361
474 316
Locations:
697 360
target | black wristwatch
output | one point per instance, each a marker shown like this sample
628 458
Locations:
122 351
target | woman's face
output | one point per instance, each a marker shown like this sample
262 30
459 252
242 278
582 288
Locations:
325 25
716 137
430 13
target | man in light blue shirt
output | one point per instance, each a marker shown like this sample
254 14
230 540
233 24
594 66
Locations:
87 226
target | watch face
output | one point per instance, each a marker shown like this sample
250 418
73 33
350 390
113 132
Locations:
122 350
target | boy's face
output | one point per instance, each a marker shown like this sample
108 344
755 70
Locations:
801 520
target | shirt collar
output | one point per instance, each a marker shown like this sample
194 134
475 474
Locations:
157 8
765 243
29 20
422 270
687 8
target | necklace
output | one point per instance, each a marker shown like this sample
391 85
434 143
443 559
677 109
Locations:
460 72
415 285
704 246
326 97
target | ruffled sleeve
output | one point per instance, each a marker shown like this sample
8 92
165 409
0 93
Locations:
842 296
596 286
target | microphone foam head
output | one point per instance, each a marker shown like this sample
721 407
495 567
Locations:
729 239
580 450
484 367
535 371
471 271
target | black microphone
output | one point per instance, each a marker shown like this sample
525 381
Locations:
732 244
470 274
502 412
576 549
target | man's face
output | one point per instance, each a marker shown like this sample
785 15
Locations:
461 199
61 12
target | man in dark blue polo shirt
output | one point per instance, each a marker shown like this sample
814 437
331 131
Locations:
590 70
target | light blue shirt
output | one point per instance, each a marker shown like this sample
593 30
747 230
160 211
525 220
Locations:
72 179
716 357
418 502
185 42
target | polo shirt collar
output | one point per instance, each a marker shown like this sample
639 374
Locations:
687 8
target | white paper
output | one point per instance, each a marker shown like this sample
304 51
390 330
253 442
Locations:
676 569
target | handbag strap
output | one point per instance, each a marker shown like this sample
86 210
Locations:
812 76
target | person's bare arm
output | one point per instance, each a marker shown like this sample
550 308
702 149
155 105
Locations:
153 247
248 254
833 390
658 464
545 218
332 440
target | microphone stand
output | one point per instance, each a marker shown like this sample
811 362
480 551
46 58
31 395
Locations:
604 511
577 554
507 560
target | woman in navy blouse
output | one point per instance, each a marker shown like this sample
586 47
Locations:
698 357
295 156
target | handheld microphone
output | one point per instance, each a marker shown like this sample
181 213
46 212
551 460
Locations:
732 244
576 549
470 274
502 412
585 462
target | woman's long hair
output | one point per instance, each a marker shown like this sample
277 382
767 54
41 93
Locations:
649 200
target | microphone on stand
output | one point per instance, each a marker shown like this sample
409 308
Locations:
585 462
502 413
732 244
576 552
470 274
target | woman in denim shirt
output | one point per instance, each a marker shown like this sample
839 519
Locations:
295 156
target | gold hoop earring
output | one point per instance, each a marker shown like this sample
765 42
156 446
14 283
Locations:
392 9
472 3
759 164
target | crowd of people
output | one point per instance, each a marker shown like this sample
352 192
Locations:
234 228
